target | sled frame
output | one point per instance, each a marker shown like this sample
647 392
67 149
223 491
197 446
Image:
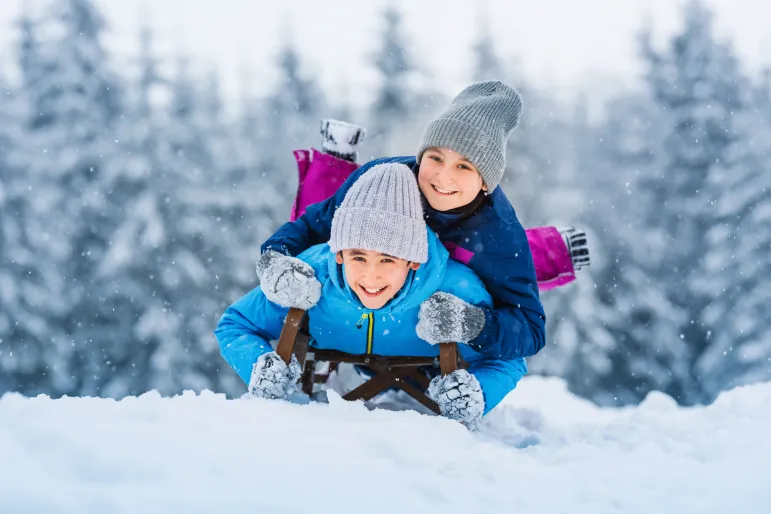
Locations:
387 371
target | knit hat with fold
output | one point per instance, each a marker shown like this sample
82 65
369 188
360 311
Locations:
382 212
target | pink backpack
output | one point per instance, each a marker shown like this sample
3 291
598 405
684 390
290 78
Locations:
321 174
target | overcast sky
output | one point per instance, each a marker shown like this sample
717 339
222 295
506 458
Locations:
561 43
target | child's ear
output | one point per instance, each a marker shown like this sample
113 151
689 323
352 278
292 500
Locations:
414 266
339 257
484 187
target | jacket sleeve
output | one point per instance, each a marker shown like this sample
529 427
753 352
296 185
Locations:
516 326
497 377
315 226
245 330
553 264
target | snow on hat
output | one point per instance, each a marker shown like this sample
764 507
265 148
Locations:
477 125
382 212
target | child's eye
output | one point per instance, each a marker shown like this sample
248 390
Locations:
435 158
387 260
360 259
464 167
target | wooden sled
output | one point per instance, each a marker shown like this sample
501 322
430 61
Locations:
387 372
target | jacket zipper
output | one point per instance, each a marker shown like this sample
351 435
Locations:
370 329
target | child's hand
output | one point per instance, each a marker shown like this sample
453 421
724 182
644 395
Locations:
459 397
272 378
445 318
288 281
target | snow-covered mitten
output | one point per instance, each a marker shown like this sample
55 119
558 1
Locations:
577 246
445 318
272 378
339 138
288 281
459 397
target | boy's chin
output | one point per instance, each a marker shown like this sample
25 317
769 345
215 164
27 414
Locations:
443 205
373 303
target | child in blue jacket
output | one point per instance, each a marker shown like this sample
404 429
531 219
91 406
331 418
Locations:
459 164
382 274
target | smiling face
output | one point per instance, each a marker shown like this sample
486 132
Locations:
448 180
374 277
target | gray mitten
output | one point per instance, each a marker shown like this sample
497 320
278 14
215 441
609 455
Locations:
288 281
445 318
577 247
272 378
459 397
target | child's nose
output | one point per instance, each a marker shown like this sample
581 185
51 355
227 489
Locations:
445 173
373 272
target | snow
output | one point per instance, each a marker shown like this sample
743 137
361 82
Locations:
544 450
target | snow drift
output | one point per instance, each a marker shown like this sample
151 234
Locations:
543 450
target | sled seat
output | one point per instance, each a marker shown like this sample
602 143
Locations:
387 372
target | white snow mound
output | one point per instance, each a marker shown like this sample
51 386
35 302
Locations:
542 451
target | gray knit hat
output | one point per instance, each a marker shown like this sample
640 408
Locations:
477 125
382 212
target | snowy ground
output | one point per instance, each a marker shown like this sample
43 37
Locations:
543 451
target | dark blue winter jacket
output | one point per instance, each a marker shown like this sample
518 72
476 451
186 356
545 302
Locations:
492 242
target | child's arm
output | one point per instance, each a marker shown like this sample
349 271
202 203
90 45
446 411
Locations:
314 227
516 326
497 377
245 330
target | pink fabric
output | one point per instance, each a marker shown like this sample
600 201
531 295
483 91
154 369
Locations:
320 175
458 253
553 265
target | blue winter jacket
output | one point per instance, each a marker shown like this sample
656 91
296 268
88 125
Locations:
492 242
339 321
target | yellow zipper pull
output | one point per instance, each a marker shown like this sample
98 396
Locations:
361 320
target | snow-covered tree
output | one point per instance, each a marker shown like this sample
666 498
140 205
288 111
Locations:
393 128
738 268
698 81
291 119
487 64
615 322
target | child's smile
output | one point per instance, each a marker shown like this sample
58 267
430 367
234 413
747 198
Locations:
443 191
372 292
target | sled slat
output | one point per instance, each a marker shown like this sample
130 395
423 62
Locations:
288 337
448 358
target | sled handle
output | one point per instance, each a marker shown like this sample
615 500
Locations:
448 358
448 352
286 340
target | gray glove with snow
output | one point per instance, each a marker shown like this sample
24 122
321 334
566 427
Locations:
445 318
459 397
288 281
272 378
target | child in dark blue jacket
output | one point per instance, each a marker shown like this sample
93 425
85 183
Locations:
381 272
459 164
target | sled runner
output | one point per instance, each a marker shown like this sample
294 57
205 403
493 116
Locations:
387 372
